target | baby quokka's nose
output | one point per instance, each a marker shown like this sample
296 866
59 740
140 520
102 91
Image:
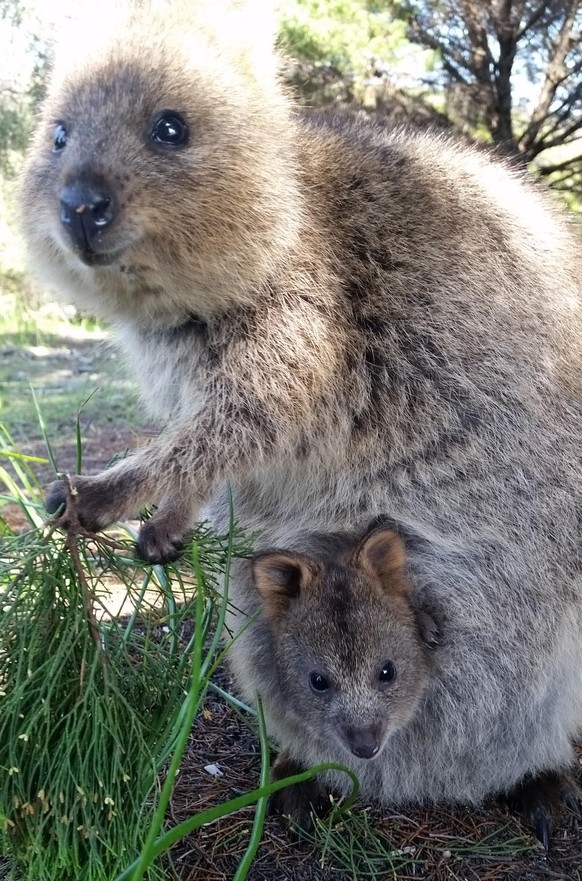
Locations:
362 742
87 208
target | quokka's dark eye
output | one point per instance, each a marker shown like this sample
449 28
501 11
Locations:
169 130
318 682
387 673
59 137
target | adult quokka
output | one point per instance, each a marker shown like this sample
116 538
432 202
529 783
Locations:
339 321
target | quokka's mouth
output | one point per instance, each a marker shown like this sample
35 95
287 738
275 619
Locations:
94 258
91 257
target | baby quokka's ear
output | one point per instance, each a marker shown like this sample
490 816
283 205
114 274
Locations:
279 577
382 557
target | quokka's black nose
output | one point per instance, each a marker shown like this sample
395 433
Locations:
363 742
87 208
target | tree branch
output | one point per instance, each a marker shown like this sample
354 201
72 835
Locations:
554 75
503 131
420 35
532 21
570 165
448 55
547 142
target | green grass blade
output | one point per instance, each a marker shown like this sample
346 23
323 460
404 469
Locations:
192 704
230 807
44 432
261 809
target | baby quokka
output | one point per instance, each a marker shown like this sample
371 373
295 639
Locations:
346 656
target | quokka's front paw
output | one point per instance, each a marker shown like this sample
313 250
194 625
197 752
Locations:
56 497
160 541
85 500
301 801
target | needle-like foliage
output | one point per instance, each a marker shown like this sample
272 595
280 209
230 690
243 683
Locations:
96 662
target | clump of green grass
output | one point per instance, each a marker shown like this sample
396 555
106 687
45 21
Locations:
92 704
359 851
357 846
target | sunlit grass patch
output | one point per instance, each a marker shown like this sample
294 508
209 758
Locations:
64 358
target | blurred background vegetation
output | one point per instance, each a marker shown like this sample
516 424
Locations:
504 72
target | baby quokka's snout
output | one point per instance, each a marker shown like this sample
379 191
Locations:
364 742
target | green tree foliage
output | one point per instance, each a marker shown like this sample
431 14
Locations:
338 44
20 91
490 52
347 34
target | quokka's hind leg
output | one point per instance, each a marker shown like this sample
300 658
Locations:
301 800
539 799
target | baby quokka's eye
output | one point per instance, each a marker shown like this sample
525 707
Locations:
387 673
59 137
169 130
318 682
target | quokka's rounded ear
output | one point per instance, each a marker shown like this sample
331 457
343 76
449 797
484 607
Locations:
279 577
381 554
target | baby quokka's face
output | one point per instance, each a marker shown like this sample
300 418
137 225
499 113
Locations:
353 656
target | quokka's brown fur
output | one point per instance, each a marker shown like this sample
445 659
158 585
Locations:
341 322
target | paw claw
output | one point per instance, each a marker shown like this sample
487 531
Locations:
542 828
540 798
572 801
155 545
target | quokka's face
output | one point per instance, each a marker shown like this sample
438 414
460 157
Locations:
357 681
353 662
352 655
149 170
114 154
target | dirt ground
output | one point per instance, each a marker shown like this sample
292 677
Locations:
438 844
